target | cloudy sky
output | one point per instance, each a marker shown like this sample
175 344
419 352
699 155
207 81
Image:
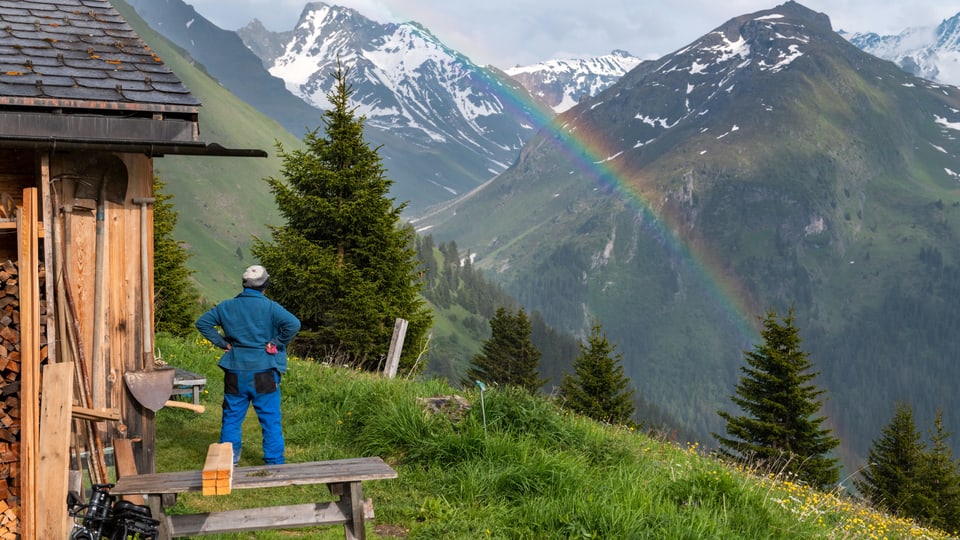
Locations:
505 33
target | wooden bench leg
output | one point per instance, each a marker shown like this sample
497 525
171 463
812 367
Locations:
352 492
157 504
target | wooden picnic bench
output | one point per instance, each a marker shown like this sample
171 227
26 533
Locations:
188 383
343 477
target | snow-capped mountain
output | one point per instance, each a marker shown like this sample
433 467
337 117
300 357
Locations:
561 84
927 52
405 81
443 125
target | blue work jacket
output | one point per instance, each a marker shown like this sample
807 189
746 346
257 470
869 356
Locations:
248 322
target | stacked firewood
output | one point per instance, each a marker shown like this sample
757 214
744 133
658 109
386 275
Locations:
10 396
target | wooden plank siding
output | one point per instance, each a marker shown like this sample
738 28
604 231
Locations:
121 341
126 304
121 345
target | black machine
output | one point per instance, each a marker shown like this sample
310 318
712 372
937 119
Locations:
104 517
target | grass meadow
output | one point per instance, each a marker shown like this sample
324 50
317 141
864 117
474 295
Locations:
517 467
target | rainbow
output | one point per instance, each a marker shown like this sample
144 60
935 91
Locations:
592 157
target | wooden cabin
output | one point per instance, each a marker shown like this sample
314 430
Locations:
85 108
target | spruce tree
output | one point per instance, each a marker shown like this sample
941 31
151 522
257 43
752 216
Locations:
895 466
598 388
342 263
780 429
508 357
940 482
176 300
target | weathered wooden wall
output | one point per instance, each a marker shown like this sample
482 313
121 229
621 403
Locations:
117 347
69 188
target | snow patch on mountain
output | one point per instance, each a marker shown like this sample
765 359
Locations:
398 65
447 123
561 84
932 53
405 81
687 86
946 123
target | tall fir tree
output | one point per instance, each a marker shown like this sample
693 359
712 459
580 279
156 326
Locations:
508 357
895 466
598 388
342 263
780 429
176 299
940 481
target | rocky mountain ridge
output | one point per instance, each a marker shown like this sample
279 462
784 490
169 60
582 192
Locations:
564 83
444 125
929 52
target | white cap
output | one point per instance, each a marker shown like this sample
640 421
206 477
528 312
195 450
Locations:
255 277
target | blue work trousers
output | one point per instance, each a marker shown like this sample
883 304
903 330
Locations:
262 389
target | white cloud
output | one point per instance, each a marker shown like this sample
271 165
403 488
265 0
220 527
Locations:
509 32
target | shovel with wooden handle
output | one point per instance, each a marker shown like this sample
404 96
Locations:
152 389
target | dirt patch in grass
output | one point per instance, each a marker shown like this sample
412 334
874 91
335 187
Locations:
391 531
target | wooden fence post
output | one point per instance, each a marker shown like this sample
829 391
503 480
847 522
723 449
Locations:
396 347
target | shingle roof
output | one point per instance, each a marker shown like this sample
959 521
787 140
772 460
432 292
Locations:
81 54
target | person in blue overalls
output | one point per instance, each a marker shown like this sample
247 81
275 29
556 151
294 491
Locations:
255 334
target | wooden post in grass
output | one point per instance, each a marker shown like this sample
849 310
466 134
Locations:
396 347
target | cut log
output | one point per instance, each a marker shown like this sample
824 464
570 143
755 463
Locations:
217 474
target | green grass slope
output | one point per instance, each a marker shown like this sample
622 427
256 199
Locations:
517 467
222 201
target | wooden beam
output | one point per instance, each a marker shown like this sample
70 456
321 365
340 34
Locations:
127 306
96 415
54 450
48 264
28 259
126 465
259 519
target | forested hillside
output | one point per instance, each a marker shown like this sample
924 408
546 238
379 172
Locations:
464 301
467 301
917 318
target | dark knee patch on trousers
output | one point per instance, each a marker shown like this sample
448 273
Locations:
265 382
